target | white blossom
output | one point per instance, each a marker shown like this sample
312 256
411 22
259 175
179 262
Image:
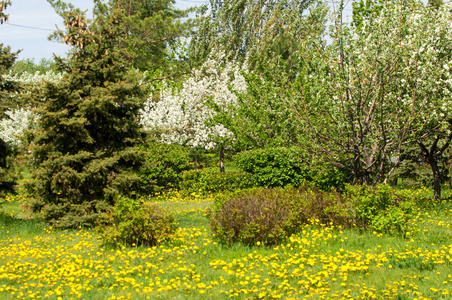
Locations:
183 115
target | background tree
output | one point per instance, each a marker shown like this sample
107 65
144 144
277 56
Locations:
242 28
88 125
378 87
29 66
3 6
7 102
186 116
153 33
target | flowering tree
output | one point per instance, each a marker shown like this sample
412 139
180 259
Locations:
379 87
17 120
186 116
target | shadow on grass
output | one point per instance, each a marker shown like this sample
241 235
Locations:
16 226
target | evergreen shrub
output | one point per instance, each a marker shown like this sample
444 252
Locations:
88 129
134 223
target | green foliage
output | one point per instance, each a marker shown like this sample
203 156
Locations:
3 5
29 66
134 223
211 180
364 10
272 167
325 176
7 59
381 208
162 166
88 126
153 31
417 263
245 216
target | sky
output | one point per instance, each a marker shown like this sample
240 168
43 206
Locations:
32 21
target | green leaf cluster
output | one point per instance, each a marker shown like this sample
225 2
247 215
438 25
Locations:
162 166
134 223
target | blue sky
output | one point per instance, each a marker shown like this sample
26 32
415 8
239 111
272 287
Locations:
38 14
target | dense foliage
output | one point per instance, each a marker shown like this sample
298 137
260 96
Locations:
133 223
162 166
272 167
7 100
270 215
88 125
210 180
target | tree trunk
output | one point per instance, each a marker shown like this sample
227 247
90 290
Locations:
221 159
436 180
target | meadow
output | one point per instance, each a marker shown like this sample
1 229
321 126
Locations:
319 262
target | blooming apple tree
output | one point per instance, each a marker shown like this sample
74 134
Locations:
186 116
378 87
17 120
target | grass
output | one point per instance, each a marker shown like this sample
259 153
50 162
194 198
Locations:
320 262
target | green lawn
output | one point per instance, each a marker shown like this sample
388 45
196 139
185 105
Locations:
320 262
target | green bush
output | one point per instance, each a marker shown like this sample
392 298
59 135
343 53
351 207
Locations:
162 166
274 167
245 216
211 180
135 223
325 176
381 208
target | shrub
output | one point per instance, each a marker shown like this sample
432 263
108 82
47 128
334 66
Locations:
245 216
249 219
381 208
325 176
135 223
211 180
274 167
162 166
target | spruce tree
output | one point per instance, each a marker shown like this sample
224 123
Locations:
88 124
7 101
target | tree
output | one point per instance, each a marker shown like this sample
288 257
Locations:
153 31
3 6
435 3
29 66
243 28
187 116
88 124
7 102
264 36
379 87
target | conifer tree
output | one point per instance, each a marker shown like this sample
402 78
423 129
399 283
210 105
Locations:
7 59
3 6
88 123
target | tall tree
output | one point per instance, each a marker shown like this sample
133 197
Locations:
153 32
378 87
88 123
3 6
241 28
7 101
